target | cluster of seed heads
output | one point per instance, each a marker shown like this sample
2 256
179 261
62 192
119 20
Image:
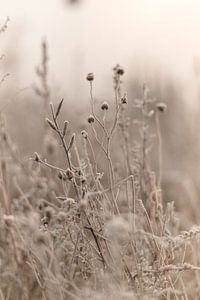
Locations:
67 175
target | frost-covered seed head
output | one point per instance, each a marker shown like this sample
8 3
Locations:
161 106
84 134
104 106
91 119
90 77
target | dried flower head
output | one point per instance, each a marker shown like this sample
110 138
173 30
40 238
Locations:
37 158
104 106
124 100
61 176
91 119
83 179
69 174
161 106
120 71
84 134
90 77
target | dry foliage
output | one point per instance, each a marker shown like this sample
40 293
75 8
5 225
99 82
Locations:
95 226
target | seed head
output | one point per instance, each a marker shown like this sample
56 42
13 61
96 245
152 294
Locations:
37 158
83 179
90 77
104 106
84 134
161 106
69 174
62 176
91 119
120 71
124 100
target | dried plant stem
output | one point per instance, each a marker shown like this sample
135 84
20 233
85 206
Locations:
93 110
65 147
106 150
159 136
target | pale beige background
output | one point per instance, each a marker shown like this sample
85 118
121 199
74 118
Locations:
139 34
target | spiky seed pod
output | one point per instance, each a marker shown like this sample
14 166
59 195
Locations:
161 106
104 106
91 119
90 77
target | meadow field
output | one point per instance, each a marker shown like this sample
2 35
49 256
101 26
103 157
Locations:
99 199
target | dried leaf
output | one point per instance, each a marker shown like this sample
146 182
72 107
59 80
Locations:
59 107
51 124
65 128
71 141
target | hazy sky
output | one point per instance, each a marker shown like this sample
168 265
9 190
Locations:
97 34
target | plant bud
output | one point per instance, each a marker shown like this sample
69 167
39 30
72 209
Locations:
91 119
90 77
161 106
104 106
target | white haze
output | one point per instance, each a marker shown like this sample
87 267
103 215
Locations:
139 34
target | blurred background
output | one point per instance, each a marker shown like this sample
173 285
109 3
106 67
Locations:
157 37
156 41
